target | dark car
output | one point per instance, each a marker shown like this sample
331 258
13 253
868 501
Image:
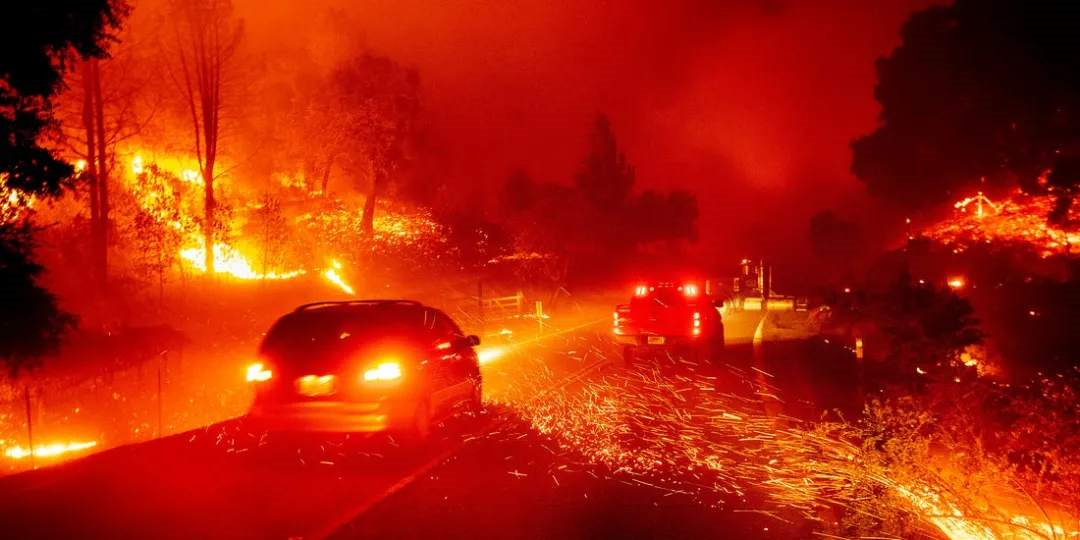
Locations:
364 366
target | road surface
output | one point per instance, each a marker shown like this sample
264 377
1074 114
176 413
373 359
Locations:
498 475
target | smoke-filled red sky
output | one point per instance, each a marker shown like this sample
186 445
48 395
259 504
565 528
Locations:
750 104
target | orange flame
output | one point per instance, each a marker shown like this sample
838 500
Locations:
229 261
331 275
48 450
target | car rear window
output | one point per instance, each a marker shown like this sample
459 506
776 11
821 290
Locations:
662 297
319 333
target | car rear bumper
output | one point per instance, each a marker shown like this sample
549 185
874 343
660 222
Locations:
667 341
334 416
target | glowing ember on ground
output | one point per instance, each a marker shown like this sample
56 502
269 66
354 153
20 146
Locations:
683 434
331 274
48 450
1021 219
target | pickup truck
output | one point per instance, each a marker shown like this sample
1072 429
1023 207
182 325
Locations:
670 316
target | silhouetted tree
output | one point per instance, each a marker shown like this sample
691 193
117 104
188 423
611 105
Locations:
377 102
31 322
656 216
39 41
978 89
1064 179
834 238
606 177
567 225
519 193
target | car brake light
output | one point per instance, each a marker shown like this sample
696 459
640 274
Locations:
385 371
257 372
641 290
690 289
444 345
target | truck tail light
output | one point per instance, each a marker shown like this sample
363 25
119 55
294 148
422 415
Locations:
696 330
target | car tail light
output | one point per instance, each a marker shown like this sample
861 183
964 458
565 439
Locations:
384 371
615 323
257 372
641 290
690 290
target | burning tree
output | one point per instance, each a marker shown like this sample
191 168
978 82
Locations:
272 230
158 224
379 102
206 39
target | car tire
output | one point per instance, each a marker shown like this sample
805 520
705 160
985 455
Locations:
420 429
476 400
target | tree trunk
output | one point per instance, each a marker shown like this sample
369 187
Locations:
102 178
326 174
91 171
208 226
367 223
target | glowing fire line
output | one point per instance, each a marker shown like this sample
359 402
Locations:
48 450
229 261
331 275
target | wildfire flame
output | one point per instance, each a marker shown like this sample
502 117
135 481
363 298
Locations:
331 275
1020 219
229 261
48 450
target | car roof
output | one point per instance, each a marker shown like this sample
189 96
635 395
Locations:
344 305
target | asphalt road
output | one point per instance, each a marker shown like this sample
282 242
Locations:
492 476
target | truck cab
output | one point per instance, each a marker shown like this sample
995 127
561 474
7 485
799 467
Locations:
675 316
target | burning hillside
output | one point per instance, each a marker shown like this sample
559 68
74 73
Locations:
1020 220
283 233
